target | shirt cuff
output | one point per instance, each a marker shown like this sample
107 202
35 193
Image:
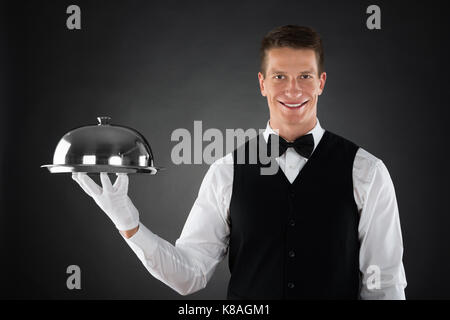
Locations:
144 243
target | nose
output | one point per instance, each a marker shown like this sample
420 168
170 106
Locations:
294 89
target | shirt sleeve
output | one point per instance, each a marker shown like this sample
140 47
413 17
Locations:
203 243
381 244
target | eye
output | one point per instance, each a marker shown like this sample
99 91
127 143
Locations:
279 77
306 76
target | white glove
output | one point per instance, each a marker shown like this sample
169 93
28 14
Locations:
113 200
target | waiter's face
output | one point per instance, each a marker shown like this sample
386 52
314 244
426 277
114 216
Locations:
292 86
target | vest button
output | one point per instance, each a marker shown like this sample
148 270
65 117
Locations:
291 285
292 222
292 253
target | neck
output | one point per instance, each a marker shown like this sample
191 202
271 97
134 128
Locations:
290 132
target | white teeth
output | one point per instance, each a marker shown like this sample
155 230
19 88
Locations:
294 105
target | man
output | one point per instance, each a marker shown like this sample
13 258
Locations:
325 226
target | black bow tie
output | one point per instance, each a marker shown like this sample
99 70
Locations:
303 145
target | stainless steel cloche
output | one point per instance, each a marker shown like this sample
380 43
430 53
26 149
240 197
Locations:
103 148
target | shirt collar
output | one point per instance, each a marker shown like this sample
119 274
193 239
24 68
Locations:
317 132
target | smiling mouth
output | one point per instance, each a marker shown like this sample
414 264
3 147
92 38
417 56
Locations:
293 105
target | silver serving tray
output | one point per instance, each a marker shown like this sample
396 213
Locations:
65 168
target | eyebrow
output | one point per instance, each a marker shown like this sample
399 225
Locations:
302 72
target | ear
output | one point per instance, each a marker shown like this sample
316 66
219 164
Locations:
261 84
322 79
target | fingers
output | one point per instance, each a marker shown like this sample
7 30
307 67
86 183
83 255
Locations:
91 188
121 184
80 183
89 184
106 183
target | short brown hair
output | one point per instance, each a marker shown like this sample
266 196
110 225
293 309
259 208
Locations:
293 36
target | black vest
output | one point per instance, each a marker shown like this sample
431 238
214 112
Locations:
299 240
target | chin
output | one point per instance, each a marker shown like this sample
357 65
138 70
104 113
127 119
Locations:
293 120
297 117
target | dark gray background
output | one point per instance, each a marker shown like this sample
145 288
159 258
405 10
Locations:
159 66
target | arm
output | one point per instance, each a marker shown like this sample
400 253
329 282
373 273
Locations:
187 266
203 243
381 245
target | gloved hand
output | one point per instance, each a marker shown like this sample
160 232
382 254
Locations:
112 199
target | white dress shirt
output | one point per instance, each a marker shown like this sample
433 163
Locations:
203 243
